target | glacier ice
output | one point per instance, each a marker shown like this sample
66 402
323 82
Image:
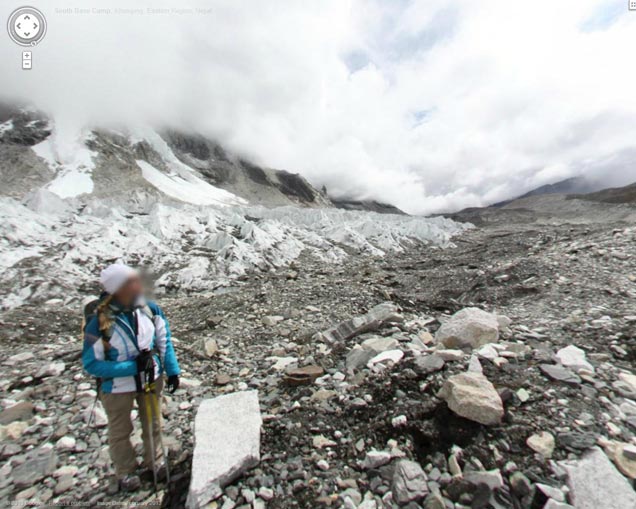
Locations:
51 247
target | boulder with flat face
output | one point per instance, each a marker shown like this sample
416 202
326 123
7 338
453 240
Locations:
469 328
227 439
303 376
472 396
560 374
427 364
22 411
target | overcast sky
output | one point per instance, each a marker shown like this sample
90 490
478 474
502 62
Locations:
427 104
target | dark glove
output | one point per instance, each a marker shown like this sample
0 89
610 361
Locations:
173 383
145 362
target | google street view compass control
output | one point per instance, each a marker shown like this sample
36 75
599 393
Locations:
26 26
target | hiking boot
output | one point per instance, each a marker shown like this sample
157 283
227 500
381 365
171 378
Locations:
113 487
130 482
161 471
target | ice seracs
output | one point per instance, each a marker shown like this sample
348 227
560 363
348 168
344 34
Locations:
192 248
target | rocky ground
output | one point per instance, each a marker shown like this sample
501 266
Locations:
410 408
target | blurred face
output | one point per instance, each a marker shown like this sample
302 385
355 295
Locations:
130 292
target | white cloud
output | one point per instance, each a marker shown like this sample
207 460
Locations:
427 104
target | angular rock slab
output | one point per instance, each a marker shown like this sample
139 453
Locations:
409 482
303 376
560 374
595 483
472 396
427 364
227 442
360 355
39 463
387 312
357 358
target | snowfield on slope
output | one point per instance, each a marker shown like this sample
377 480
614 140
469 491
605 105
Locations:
52 249
68 155
183 182
187 188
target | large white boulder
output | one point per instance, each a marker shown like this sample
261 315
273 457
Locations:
472 396
573 357
595 483
469 328
227 441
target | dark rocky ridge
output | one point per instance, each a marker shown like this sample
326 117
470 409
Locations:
369 205
235 174
626 194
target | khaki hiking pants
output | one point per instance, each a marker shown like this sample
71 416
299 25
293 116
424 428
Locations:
118 408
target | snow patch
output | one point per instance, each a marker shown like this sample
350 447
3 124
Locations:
6 126
72 183
181 182
72 161
187 188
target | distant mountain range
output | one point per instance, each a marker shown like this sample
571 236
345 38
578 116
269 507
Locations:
573 185
625 194
571 200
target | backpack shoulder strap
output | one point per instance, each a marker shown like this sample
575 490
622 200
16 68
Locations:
149 312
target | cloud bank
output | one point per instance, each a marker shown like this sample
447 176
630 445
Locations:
431 105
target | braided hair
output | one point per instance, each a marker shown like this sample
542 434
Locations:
105 319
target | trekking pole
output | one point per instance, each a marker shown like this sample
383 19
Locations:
151 431
156 414
91 415
92 412
151 402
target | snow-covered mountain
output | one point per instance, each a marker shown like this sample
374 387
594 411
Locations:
106 163
195 215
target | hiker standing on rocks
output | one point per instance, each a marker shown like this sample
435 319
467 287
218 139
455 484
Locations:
126 340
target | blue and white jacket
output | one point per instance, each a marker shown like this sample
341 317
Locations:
117 366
